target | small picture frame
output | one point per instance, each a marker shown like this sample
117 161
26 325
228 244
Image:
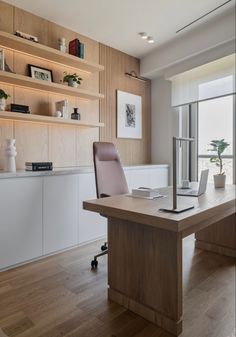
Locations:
2 60
40 73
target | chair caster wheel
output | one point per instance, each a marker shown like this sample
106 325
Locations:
94 264
103 247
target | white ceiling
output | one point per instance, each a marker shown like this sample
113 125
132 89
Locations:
117 22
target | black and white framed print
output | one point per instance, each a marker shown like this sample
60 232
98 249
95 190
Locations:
129 115
40 73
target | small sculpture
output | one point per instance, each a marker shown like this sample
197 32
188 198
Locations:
62 45
10 154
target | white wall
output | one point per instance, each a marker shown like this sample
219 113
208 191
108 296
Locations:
164 122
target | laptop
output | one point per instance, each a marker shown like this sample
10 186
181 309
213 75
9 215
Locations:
202 186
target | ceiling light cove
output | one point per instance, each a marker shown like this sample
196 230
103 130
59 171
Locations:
143 35
150 39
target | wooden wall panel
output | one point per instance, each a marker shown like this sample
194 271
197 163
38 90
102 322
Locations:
85 139
38 103
6 17
31 24
62 146
31 142
132 151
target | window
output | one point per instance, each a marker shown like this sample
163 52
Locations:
205 99
215 121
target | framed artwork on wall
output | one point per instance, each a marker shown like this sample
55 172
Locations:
40 73
129 115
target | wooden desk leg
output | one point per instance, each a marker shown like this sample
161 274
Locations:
145 272
219 238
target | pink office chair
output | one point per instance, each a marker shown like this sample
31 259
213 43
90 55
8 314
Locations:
109 176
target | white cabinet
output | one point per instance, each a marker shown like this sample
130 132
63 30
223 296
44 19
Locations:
20 220
158 177
137 178
43 215
90 225
60 209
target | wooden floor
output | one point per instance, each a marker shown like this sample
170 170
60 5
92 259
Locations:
61 296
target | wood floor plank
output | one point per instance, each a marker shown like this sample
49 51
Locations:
61 297
18 327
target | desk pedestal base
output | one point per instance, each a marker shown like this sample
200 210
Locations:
145 272
145 312
219 238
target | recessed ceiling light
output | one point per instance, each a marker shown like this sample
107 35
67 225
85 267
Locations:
150 39
143 35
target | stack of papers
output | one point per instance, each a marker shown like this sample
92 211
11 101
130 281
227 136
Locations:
146 193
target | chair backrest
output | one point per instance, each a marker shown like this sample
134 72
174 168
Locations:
109 174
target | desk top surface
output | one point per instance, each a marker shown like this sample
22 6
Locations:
214 202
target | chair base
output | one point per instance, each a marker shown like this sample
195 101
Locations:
94 262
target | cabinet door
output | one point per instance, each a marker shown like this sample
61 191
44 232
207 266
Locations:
20 220
158 177
137 178
91 226
59 213
151 177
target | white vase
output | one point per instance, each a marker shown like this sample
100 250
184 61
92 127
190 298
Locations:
2 104
219 180
10 155
72 83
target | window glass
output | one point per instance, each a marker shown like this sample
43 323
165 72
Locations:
215 121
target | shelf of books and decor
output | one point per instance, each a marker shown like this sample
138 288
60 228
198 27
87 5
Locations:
31 83
36 49
26 117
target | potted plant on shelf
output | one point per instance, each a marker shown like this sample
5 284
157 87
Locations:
73 80
3 98
218 147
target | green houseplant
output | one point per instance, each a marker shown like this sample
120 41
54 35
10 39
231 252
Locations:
3 98
218 147
73 80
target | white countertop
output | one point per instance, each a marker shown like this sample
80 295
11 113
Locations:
69 170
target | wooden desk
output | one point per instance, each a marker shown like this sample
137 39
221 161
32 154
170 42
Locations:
145 248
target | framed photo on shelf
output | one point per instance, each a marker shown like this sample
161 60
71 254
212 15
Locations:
3 64
2 59
40 73
129 115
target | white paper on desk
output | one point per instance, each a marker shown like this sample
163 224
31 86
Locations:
145 192
142 197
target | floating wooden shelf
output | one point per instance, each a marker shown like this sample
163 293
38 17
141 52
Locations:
31 83
28 47
46 119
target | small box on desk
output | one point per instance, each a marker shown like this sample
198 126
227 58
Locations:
145 192
38 166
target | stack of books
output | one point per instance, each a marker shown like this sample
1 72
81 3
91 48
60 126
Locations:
76 48
38 166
